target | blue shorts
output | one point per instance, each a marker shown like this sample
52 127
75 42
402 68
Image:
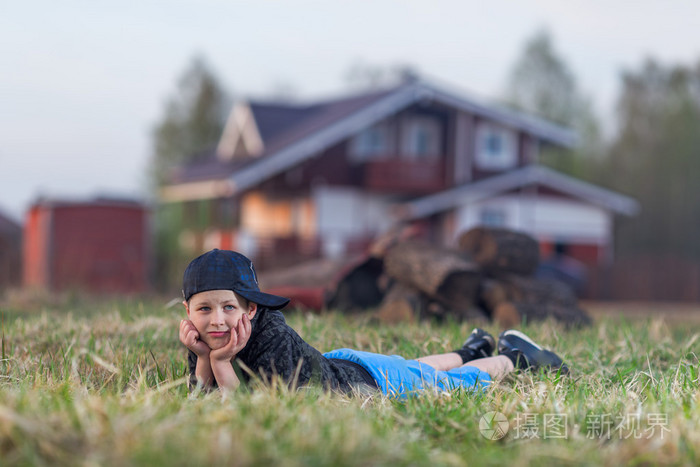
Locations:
397 376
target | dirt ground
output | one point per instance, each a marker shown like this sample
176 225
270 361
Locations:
673 313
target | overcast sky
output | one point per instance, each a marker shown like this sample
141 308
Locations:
82 83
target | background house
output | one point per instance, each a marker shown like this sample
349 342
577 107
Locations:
10 252
292 181
98 246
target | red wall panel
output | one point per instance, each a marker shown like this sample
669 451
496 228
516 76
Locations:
35 247
92 247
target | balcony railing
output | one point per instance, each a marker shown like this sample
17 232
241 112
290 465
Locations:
405 176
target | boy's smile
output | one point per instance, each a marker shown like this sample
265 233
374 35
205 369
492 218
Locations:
215 312
219 334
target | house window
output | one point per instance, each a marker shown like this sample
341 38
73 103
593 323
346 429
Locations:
493 217
421 137
497 147
494 144
371 143
422 143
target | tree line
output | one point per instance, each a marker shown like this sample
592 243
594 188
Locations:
653 156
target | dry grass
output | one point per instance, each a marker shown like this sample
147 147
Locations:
102 383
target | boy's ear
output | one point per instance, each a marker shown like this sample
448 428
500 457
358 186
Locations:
184 302
252 309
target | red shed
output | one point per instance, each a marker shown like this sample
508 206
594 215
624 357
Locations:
98 246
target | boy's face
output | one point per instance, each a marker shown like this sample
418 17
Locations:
215 312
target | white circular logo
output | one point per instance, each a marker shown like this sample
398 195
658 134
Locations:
493 425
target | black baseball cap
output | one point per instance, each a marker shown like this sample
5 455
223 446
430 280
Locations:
227 270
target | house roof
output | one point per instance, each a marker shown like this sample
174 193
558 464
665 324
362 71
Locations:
338 120
530 175
278 125
292 134
274 119
96 201
281 124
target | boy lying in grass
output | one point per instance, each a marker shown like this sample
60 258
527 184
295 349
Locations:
231 322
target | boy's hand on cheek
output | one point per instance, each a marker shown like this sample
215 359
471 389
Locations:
239 338
190 337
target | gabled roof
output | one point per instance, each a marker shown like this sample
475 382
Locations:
338 120
530 175
274 119
280 124
208 173
290 134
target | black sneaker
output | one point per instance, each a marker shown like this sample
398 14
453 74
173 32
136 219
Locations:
526 354
481 342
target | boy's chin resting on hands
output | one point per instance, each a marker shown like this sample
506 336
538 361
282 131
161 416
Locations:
217 329
189 336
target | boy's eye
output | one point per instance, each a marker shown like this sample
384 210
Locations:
228 307
204 308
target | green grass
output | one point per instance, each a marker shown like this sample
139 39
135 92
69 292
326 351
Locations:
103 383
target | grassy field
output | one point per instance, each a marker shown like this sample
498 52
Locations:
103 383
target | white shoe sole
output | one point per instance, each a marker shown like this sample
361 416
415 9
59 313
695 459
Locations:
519 334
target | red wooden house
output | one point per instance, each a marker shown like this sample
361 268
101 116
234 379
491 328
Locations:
98 246
323 179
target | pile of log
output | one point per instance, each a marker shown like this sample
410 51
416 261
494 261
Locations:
490 276
501 251
510 292
427 280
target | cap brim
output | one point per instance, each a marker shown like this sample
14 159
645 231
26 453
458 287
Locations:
273 302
